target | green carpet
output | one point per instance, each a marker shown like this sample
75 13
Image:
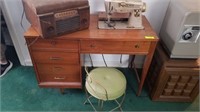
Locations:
20 92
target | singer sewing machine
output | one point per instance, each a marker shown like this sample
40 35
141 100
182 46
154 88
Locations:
122 14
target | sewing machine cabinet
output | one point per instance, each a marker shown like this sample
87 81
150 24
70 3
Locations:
57 61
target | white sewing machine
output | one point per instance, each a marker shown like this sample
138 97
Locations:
132 8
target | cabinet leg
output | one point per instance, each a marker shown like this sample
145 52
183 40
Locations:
62 90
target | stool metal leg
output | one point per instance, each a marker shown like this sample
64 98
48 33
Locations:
101 107
100 102
123 99
88 99
119 104
87 96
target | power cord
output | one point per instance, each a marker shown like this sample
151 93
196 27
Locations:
104 60
91 61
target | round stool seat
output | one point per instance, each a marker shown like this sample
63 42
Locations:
106 80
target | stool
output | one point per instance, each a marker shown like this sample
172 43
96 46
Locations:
105 84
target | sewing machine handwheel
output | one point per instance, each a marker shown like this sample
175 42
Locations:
144 7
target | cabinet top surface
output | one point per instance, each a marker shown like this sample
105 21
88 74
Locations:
171 62
106 34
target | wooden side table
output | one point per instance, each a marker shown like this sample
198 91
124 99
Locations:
174 80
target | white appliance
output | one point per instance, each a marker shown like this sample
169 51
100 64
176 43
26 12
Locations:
134 7
180 31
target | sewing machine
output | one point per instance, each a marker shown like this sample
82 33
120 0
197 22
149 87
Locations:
118 11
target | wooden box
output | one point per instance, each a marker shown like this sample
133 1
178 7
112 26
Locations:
175 80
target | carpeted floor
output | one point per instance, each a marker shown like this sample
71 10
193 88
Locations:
20 92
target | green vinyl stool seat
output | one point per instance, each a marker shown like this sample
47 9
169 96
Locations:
105 84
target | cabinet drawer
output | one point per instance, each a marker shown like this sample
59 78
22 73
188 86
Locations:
54 44
55 57
117 47
58 73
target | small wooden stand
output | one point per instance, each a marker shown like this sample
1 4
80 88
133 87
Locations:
175 80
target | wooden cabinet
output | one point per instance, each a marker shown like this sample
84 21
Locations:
173 79
56 62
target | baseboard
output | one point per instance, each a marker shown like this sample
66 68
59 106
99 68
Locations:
28 62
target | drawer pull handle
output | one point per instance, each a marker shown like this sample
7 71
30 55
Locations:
55 58
137 46
59 78
92 46
58 68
